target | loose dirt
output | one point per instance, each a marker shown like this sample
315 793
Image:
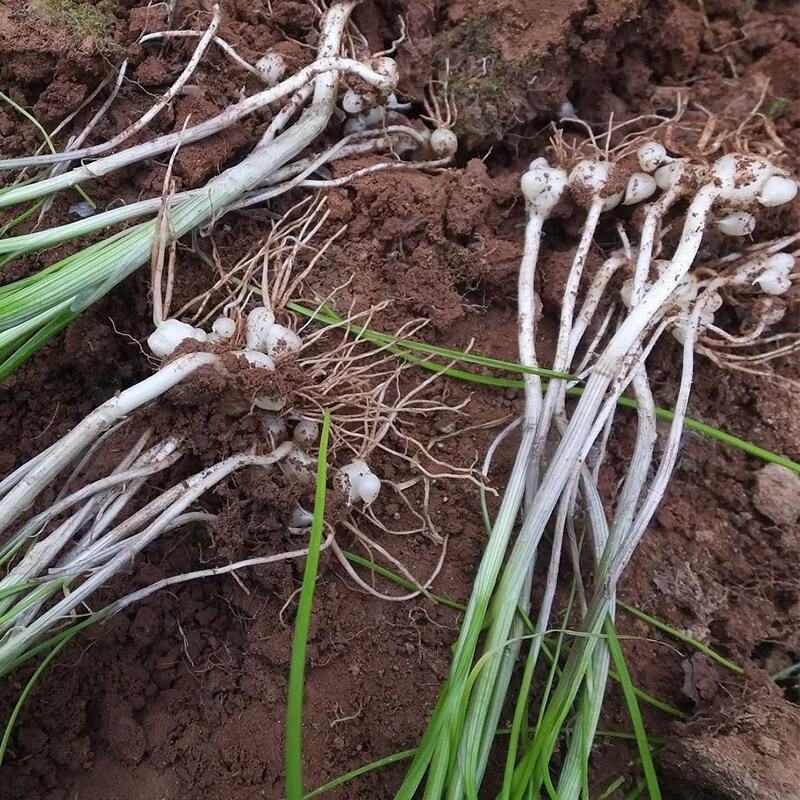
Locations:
183 696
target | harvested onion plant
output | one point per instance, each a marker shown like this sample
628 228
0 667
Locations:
60 551
304 107
610 320
286 378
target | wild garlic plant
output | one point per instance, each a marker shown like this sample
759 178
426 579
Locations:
283 376
303 106
610 321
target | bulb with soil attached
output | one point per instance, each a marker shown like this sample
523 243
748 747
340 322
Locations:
358 482
169 334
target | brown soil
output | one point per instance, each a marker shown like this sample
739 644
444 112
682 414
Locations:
183 696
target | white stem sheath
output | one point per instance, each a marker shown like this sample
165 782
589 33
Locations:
22 496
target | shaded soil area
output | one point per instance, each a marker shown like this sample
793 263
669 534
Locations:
184 695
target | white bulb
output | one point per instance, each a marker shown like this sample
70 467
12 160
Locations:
641 186
740 177
306 432
770 310
282 340
369 487
773 282
444 142
387 67
740 223
275 427
566 109
259 359
164 340
374 116
300 518
352 102
272 66
224 327
777 190
651 156
257 327
263 361
300 466
593 176
534 181
542 186
354 125
349 477
613 201
667 175
782 261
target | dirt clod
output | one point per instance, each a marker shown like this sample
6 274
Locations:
744 751
777 494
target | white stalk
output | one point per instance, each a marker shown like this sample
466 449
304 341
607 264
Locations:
230 116
25 492
541 197
42 554
17 642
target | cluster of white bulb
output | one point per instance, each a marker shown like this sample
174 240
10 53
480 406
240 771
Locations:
164 340
272 66
735 182
365 111
773 277
262 335
358 482
745 180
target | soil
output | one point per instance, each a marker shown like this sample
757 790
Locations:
183 696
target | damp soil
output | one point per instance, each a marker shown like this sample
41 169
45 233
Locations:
183 696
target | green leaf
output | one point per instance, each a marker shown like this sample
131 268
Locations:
297 666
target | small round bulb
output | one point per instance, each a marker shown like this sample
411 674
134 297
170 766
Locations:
258 359
355 125
387 67
369 486
300 466
352 102
640 187
777 190
224 327
740 223
542 186
300 518
272 66
444 142
259 321
651 156
348 478
282 340
306 432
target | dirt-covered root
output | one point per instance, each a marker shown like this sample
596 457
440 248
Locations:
745 749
